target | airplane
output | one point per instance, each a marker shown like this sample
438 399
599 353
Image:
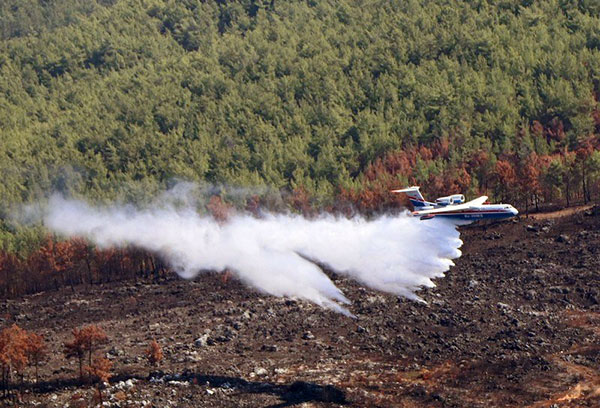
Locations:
455 208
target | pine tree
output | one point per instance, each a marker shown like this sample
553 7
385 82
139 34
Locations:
154 353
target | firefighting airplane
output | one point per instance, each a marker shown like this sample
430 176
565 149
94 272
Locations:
455 208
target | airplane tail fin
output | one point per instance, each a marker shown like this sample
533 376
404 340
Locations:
415 197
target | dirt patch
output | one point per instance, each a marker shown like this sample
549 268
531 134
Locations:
564 212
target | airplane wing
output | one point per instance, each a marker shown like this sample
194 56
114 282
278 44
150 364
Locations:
477 201
449 208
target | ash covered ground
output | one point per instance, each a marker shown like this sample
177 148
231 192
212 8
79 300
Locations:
515 323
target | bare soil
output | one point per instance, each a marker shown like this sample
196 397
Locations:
515 323
546 215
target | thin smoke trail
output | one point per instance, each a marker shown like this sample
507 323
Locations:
276 254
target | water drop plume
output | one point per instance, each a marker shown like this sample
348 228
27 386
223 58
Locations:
278 254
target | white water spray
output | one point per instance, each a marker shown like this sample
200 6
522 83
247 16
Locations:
276 253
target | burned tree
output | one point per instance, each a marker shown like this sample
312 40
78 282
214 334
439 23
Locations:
154 353
85 341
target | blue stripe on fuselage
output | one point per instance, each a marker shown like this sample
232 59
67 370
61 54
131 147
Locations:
476 216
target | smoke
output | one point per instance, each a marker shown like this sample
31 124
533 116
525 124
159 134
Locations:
278 254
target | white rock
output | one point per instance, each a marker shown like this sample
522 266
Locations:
179 383
260 371
201 341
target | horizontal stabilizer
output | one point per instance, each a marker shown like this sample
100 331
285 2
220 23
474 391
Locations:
406 190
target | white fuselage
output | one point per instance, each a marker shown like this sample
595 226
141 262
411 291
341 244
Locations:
469 212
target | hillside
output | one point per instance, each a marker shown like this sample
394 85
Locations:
100 97
513 324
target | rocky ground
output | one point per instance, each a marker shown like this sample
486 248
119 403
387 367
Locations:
514 324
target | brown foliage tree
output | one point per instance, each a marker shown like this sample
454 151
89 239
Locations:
75 348
441 147
505 178
381 176
10 271
85 340
54 259
218 209
555 130
583 153
13 353
300 200
36 351
154 353
529 179
99 371
83 254
253 205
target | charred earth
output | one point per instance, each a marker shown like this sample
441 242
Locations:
514 324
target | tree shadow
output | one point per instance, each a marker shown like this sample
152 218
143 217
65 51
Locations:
296 393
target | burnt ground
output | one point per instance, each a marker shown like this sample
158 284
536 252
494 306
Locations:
515 323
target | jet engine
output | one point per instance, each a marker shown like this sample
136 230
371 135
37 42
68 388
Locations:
450 200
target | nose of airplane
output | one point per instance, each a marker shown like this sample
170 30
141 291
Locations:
513 211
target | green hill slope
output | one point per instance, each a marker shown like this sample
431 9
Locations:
95 96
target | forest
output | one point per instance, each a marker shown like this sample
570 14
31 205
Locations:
331 102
